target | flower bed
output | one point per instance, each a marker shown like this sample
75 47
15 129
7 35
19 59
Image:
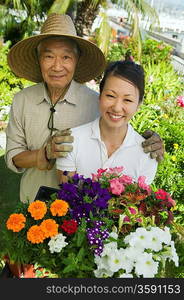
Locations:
107 226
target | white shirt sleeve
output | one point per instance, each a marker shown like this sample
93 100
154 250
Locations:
148 169
68 163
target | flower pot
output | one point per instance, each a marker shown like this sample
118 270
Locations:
15 269
28 271
20 270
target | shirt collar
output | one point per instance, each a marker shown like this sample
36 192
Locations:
129 138
95 129
72 92
42 94
70 96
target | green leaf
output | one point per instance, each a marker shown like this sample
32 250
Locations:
69 268
81 254
80 238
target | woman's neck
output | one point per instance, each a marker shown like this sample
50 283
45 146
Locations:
112 137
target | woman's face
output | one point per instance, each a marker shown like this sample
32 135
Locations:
119 101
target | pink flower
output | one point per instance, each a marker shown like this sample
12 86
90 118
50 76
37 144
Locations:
125 179
161 194
180 101
116 187
116 170
143 185
101 171
99 174
94 177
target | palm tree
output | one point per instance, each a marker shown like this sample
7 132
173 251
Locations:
85 12
137 9
20 18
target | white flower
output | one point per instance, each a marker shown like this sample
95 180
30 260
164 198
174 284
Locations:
127 259
125 275
101 261
57 243
146 266
174 255
155 239
166 236
109 247
139 239
103 273
102 270
115 261
114 235
133 252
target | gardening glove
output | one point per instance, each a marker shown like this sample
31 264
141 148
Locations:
55 146
58 145
153 144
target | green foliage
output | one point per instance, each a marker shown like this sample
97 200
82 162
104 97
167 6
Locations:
9 83
21 18
162 83
117 51
153 52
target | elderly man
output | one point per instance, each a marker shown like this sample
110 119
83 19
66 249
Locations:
59 62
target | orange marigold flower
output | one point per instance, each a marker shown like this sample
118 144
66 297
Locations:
16 222
35 234
37 209
49 227
59 208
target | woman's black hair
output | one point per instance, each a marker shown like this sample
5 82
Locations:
129 70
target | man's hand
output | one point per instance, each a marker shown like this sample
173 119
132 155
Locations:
57 145
153 144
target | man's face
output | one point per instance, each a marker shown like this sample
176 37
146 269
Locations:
57 60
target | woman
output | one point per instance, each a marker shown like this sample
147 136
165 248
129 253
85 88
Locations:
110 140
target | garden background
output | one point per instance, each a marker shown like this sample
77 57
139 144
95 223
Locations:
162 110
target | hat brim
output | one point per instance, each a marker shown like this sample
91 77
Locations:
23 60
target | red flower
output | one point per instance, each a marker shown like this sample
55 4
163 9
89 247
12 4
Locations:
69 226
161 194
165 197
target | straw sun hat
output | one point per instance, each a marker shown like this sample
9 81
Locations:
23 60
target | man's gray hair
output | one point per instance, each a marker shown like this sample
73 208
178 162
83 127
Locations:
60 38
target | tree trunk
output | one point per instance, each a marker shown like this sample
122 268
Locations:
86 14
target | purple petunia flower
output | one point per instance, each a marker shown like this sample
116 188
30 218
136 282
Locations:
84 196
